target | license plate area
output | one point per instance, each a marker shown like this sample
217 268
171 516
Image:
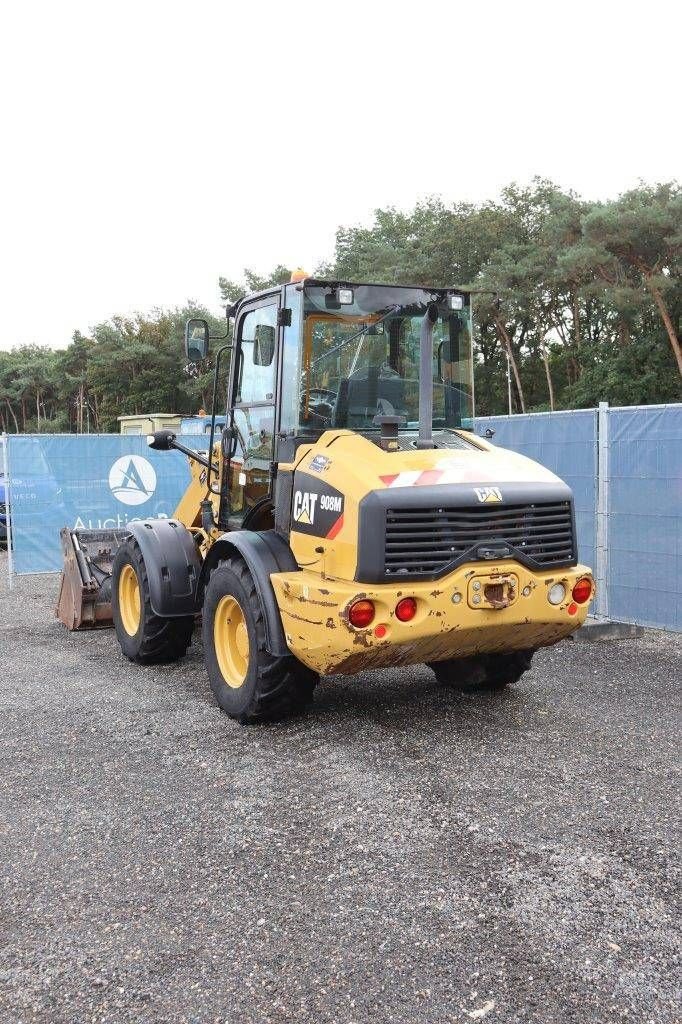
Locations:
493 591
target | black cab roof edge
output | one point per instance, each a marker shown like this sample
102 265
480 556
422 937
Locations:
234 308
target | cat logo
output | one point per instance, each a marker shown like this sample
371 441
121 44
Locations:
488 493
304 507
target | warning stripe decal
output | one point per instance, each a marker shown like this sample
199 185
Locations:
428 477
487 470
336 528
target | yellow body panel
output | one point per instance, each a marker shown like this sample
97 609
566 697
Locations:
357 466
188 510
315 617
314 602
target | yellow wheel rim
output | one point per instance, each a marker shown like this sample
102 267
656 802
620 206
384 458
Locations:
129 601
231 641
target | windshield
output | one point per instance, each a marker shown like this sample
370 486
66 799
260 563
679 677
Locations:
360 358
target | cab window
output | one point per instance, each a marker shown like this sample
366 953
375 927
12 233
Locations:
257 369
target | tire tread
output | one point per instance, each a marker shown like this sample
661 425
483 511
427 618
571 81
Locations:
163 640
284 686
482 672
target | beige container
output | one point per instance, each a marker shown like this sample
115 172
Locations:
148 424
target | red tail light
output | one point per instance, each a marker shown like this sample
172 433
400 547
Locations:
582 591
406 609
361 614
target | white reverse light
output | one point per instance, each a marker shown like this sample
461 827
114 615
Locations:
456 302
556 594
345 296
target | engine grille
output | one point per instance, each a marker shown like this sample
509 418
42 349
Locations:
427 541
444 439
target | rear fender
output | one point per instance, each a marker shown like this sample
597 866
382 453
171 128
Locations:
264 552
173 565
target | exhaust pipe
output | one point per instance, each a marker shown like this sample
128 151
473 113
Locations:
426 377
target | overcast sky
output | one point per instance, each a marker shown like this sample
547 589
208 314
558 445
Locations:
150 146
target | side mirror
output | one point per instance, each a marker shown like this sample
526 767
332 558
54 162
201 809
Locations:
264 345
161 440
196 340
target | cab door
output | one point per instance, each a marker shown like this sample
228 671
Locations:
253 389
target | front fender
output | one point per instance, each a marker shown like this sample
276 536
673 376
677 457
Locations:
173 565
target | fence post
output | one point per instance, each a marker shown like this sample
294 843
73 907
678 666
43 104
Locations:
8 513
602 551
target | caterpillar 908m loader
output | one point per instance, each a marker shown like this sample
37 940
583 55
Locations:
348 517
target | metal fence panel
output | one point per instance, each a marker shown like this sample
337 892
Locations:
5 513
566 443
84 480
645 515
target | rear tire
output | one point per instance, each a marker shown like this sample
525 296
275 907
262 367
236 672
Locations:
144 637
249 684
482 671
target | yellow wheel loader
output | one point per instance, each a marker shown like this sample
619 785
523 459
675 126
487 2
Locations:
348 517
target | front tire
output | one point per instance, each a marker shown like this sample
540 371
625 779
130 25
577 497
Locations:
482 671
144 637
249 684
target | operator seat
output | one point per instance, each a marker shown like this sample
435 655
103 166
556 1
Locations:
370 390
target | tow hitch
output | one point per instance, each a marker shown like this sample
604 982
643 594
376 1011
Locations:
495 590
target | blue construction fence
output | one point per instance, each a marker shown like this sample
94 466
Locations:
566 443
86 481
623 464
631 458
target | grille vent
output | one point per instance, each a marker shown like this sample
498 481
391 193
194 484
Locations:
408 442
425 541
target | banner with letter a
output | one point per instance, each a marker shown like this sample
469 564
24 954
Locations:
84 481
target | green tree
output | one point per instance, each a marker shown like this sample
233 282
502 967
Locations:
634 245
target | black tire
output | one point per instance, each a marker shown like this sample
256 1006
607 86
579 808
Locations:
272 688
482 671
156 639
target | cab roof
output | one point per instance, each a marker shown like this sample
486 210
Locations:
342 282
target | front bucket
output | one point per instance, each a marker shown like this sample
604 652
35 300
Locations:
84 600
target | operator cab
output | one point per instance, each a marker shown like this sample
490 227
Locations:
360 357
317 355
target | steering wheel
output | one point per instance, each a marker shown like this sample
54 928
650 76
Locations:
325 392
321 403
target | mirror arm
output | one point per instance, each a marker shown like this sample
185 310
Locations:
229 313
211 468
189 452
165 440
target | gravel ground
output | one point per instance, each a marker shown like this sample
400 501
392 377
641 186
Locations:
403 853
